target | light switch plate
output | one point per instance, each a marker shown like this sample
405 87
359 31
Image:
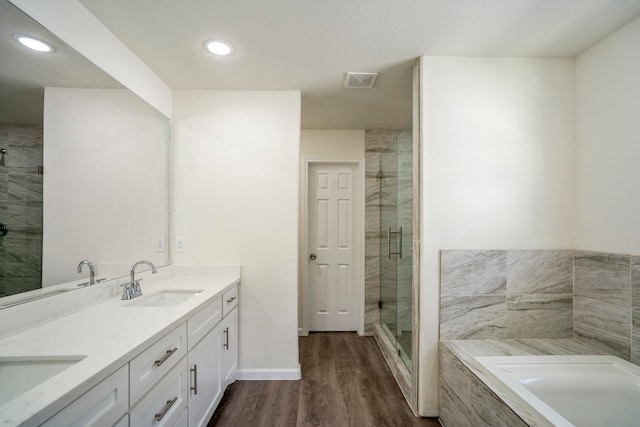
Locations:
179 244
161 244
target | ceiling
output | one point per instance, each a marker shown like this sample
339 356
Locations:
308 45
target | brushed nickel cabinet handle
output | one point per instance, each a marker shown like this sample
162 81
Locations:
226 339
160 415
230 300
165 357
195 379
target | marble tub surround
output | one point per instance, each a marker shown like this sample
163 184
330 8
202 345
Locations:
603 301
471 397
635 312
108 334
494 294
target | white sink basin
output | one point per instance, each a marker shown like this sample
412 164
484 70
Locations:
19 374
168 298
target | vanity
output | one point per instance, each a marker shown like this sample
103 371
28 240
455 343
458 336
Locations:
161 359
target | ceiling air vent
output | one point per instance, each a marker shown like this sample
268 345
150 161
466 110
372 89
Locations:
353 80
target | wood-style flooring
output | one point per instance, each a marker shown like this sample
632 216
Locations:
345 382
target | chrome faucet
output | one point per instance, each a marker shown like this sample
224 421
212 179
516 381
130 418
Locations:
92 271
132 289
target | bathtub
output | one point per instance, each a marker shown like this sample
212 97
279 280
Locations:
581 391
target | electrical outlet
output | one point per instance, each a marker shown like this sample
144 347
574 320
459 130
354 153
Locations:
161 244
179 244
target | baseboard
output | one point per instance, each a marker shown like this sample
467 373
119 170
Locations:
269 374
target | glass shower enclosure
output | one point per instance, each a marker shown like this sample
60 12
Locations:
396 251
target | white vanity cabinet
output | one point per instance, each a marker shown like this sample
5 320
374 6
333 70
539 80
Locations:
177 381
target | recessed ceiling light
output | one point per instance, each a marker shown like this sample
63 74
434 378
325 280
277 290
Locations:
219 47
34 43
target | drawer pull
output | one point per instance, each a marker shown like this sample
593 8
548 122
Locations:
165 357
226 338
160 415
195 379
230 300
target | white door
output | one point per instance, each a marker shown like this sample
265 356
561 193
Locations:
332 272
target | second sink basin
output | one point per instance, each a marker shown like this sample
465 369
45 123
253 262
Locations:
19 374
168 298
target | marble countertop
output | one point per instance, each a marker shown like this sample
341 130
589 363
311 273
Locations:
109 334
467 350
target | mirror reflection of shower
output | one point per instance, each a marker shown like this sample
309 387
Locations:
21 150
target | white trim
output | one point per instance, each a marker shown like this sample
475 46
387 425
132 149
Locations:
359 224
269 374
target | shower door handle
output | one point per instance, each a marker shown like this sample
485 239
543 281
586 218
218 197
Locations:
399 233
4 229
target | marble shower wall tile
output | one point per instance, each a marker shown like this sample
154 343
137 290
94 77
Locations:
602 292
376 142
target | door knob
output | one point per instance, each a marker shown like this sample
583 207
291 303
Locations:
312 256
4 228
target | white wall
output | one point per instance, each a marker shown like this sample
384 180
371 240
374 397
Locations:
322 144
106 159
235 201
607 207
497 169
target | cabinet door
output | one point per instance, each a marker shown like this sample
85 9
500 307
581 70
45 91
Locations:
103 405
205 388
229 358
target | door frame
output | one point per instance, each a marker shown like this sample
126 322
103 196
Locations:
358 238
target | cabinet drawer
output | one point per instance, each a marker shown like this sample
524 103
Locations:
103 405
153 363
229 300
203 321
166 402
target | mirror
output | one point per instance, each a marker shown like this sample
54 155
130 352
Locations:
84 168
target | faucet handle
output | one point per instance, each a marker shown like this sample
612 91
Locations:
136 290
126 292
